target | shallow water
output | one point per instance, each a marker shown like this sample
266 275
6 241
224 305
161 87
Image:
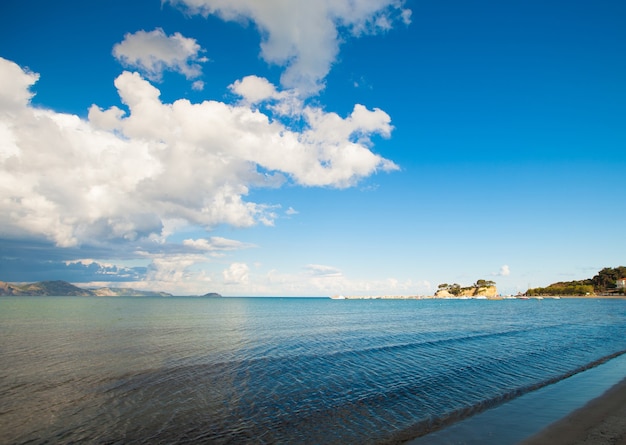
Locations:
527 415
271 370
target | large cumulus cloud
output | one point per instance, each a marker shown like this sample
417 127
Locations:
122 175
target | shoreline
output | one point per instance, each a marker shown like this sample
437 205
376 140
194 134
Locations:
498 298
589 406
601 421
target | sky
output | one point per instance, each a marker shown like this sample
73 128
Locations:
297 148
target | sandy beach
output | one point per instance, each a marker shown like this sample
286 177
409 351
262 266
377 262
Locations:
602 421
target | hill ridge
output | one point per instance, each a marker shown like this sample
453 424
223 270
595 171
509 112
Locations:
60 288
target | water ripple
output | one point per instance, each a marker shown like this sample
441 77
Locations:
298 372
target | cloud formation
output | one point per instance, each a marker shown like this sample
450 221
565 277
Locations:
215 243
320 270
237 273
118 184
123 176
98 271
154 52
304 36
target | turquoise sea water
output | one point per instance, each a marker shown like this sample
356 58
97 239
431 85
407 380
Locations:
281 370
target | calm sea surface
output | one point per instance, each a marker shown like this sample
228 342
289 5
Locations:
280 370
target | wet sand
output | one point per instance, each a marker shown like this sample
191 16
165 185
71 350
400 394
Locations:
602 421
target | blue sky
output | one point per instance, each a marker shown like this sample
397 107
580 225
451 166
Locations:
311 148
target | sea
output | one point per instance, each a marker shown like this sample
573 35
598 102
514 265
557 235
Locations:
117 370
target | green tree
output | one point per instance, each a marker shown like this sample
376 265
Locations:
455 289
607 278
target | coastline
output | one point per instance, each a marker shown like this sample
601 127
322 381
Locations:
601 421
497 298
590 406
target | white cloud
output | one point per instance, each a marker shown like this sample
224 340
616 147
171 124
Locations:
198 85
154 52
237 273
503 272
304 36
103 270
119 176
215 243
15 83
173 269
322 280
319 270
88 262
254 89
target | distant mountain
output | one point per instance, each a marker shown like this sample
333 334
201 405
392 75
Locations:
57 288
64 289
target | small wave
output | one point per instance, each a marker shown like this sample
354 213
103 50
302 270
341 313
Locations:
437 423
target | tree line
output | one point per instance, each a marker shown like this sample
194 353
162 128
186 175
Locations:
605 281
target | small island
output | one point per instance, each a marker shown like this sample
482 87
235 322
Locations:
480 289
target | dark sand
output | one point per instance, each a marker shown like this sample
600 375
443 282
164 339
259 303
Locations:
602 421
